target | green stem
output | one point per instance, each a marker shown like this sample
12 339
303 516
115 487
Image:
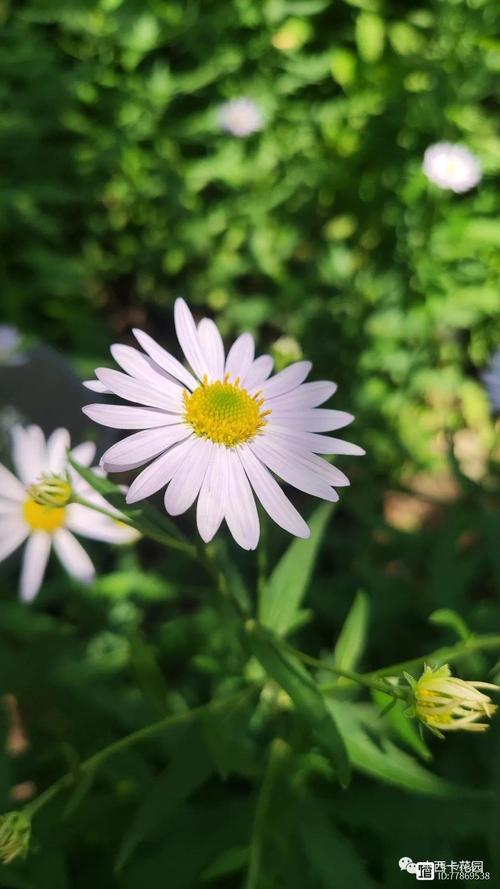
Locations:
231 602
277 752
444 655
364 679
145 528
141 734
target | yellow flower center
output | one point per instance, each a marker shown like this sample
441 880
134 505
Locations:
224 412
42 518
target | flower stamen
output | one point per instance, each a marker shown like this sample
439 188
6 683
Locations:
224 412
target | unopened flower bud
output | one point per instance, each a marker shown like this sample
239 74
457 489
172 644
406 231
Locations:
444 703
15 833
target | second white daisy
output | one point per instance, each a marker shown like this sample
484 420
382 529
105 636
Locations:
36 508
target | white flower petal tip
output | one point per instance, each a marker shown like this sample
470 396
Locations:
218 434
451 167
38 508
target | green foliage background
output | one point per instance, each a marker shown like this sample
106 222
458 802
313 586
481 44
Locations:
118 192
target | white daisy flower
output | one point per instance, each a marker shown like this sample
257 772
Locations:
46 477
240 117
217 432
451 166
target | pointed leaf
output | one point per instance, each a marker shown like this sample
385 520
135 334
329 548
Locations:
283 594
289 673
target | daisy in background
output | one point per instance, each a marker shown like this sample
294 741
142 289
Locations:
219 431
451 166
36 507
240 117
491 379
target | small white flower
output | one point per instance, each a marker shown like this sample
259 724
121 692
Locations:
491 379
240 117
218 432
451 166
444 703
10 341
46 477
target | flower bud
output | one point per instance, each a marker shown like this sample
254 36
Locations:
444 703
15 833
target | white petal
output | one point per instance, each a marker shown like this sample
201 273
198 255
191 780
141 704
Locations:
188 338
88 523
306 396
29 453
317 444
316 420
139 391
274 501
73 556
35 558
286 379
10 486
213 349
9 508
160 472
140 447
84 453
13 531
96 386
213 494
293 454
241 512
240 357
118 416
295 469
164 359
186 483
261 368
57 445
141 368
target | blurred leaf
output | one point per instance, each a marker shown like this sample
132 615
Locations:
289 673
147 673
350 643
405 728
386 762
283 594
370 36
189 768
328 851
447 617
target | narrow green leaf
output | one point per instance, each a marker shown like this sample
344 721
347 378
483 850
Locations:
189 768
147 673
282 596
83 787
351 641
448 617
289 673
228 862
386 762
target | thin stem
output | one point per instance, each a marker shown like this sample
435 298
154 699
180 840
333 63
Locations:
146 529
446 655
364 679
223 588
277 752
141 734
